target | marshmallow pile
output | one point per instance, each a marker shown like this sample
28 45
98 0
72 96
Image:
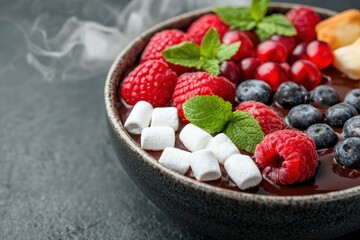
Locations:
157 128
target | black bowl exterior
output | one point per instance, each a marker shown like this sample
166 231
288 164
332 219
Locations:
216 212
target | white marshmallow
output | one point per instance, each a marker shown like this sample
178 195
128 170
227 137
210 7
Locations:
175 159
194 138
205 165
243 171
139 117
222 147
165 117
157 138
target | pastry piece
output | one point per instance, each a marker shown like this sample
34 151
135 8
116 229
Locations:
341 29
347 60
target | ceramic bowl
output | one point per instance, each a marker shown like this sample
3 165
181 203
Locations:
213 211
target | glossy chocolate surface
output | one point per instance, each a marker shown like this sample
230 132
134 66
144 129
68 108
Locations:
329 175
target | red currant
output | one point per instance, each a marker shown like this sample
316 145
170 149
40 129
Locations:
271 51
289 42
272 73
320 54
246 48
248 67
286 66
253 37
305 73
299 52
231 71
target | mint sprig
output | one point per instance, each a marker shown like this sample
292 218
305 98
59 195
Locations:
253 17
207 56
214 115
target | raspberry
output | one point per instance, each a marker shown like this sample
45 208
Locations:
287 157
152 81
159 42
201 83
268 119
304 20
198 29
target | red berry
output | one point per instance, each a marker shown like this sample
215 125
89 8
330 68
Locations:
305 73
286 66
253 37
289 42
271 51
272 73
152 81
320 54
269 120
248 67
304 20
299 52
199 28
246 48
159 42
287 157
201 83
231 71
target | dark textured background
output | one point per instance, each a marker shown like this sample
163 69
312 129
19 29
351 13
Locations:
59 177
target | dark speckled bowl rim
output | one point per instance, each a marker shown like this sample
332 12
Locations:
118 128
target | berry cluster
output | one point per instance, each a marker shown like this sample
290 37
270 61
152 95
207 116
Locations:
238 65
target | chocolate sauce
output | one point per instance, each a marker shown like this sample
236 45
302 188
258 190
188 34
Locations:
329 175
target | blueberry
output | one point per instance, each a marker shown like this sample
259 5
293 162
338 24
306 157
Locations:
255 90
347 152
303 116
352 127
290 94
338 114
323 135
324 95
353 98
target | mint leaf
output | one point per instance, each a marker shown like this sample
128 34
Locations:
263 33
258 9
226 51
210 44
275 24
244 131
208 56
211 66
210 113
244 25
236 17
185 54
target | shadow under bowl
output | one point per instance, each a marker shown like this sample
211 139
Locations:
213 211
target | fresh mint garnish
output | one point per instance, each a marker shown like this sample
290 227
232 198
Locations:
275 24
210 113
184 54
214 115
258 9
236 17
253 17
208 56
244 131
